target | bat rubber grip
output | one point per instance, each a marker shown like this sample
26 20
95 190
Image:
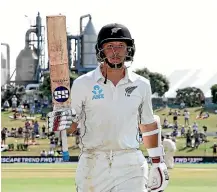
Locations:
64 145
65 156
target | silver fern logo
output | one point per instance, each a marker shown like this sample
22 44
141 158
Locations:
129 90
115 30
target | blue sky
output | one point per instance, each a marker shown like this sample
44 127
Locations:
169 34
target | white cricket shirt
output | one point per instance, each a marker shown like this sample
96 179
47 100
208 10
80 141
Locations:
109 114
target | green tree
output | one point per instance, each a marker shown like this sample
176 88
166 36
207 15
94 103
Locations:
143 72
159 83
45 87
7 94
214 93
191 96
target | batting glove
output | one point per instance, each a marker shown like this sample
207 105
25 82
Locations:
158 176
61 119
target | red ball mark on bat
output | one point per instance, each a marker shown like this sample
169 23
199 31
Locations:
56 123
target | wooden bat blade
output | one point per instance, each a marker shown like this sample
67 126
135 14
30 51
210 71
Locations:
59 68
58 60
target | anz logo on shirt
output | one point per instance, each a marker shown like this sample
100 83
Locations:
97 92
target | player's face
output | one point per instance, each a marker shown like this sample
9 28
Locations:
115 51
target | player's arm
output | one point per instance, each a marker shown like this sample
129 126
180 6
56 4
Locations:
150 141
150 128
77 103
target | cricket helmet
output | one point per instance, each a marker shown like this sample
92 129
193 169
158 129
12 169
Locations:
114 32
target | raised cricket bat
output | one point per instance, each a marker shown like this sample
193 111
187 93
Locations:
59 68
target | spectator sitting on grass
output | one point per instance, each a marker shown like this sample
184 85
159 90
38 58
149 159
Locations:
6 105
50 153
205 116
175 133
20 132
43 153
176 126
166 123
56 154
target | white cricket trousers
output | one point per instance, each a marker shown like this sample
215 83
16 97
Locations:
114 171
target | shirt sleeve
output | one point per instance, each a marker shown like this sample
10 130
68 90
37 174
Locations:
146 111
78 98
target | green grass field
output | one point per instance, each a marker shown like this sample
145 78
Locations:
34 150
211 123
60 177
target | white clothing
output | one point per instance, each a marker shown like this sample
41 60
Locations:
186 114
109 114
195 127
170 148
182 105
109 118
169 159
121 171
43 153
169 145
14 100
52 146
51 152
6 104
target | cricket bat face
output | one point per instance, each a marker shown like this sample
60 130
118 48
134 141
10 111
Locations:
58 61
59 68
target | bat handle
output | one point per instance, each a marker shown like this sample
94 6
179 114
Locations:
65 152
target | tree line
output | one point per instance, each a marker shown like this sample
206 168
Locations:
191 96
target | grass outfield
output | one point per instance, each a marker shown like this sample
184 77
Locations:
60 177
210 122
34 150
181 151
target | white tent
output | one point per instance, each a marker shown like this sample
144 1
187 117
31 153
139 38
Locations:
200 78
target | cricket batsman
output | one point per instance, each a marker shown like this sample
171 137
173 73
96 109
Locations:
109 103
